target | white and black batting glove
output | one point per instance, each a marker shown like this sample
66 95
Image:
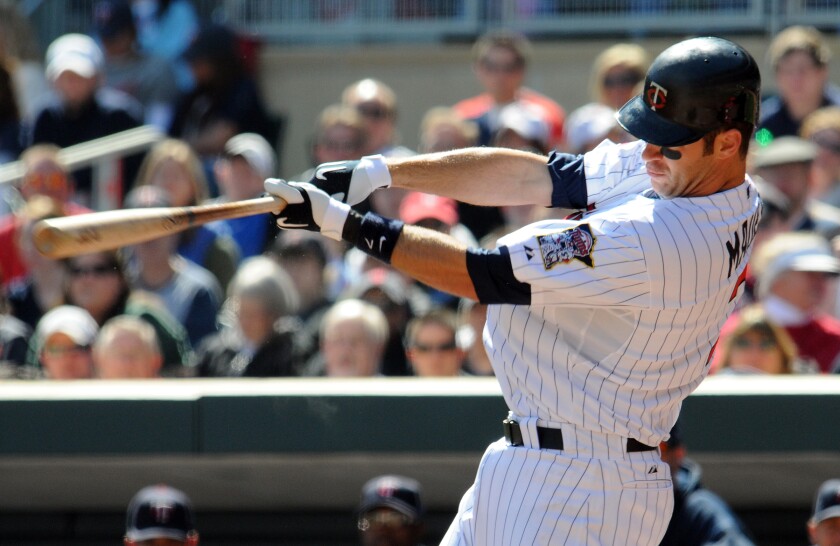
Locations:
308 208
352 182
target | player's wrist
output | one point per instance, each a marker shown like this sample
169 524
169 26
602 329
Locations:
372 234
334 219
372 173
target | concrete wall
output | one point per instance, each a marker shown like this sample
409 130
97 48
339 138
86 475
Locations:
302 82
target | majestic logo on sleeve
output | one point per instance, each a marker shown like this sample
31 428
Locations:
656 96
570 244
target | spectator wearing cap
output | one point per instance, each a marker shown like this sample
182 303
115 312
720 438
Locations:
822 128
353 336
391 512
225 100
62 343
440 214
800 59
189 292
431 345
172 166
700 517
83 109
127 348
785 163
590 125
500 62
793 272
240 172
160 515
259 335
147 78
824 523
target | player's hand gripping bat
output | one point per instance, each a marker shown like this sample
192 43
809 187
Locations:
96 231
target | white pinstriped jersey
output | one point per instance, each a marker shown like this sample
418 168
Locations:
626 302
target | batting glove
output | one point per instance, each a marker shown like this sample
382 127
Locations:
308 208
352 182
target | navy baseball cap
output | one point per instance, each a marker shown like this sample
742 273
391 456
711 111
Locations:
827 503
159 511
397 492
111 17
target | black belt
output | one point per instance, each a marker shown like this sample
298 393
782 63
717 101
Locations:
552 438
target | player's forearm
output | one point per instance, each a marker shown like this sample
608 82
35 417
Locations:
481 176
435 259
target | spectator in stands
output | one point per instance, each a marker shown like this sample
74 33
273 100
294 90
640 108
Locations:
757 345
399 299
824 523
225 100
391 512
260 337
785 163
521 127
11 129
431 344
304 256
353 336
175 168
14 339
62 343
160 515
99 283
376 102
590 125
147 78
500 63
793 271
19 47
40 288
443 129
84 109
127 348
700 517
340 134
617 74
822 128
248 160
189 292
166 28
44 175
799 57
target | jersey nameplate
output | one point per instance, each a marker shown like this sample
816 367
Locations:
570 244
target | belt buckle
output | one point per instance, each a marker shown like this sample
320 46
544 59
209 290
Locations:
513 434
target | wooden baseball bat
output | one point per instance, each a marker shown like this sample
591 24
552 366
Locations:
96 231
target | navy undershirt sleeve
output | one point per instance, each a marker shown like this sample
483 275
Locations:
492 276
568 181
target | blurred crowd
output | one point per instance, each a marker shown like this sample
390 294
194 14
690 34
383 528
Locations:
239 297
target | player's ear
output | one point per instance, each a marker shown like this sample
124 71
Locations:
728 143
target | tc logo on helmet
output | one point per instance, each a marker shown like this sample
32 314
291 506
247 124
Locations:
656 96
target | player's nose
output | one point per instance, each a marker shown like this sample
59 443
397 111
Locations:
651 152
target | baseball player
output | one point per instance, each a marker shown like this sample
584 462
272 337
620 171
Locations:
599 325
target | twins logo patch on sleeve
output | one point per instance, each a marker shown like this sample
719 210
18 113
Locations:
564 246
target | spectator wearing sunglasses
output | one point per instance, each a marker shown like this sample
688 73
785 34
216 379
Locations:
100 284
822 128
376 102
757 345
500 64
62 343
391 512
431 345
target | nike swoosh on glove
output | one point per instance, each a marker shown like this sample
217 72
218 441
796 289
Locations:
352 182
308 208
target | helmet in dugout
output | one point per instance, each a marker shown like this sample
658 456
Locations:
692 88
